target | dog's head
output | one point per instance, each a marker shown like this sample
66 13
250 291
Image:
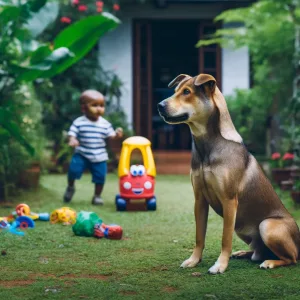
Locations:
195 100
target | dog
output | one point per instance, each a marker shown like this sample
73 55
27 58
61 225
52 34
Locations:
226 177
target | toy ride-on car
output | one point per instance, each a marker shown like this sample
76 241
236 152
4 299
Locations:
136 182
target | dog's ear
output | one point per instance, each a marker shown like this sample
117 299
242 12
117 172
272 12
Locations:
227 128
206 79
178 79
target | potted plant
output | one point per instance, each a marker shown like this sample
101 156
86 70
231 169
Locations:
281 166
30 177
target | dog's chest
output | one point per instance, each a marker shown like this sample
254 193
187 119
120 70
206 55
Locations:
208 184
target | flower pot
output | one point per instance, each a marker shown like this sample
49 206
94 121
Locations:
281 175
287 185
295 173
30 178
296 196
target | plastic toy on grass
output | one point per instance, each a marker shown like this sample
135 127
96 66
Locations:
85 223
64 215
112 231
24 210
136 182
22 222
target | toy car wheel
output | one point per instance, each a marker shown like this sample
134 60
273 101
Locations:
121 204
151 204
117 197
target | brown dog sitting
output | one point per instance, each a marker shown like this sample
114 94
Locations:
226 177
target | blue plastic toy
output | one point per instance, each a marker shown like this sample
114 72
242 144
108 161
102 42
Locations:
22 222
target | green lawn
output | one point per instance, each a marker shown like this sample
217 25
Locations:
50 262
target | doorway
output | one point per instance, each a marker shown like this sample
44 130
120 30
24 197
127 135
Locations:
164 49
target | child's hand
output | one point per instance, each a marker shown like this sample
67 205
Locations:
119 132
73 142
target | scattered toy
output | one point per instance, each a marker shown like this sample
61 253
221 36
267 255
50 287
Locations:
85 223
136 182
64 215
112 231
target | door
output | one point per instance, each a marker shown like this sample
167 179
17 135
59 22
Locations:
164 49
142 106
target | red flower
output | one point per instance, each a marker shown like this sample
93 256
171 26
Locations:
75 2
82 8
99 9
99 3
275 156
288 156
116 7
65 20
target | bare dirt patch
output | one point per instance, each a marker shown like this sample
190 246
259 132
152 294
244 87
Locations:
16 283
169 289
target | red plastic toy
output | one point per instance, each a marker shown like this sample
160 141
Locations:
138 181
113 232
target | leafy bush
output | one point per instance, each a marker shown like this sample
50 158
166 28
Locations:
24 59
268 29
60 95
249 114
27 111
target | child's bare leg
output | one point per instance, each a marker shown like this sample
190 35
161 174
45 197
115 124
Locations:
76 169
97 200
98 171
71 182
98 189
69 191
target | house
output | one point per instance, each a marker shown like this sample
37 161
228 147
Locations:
156 42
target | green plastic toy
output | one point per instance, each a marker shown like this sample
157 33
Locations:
85 223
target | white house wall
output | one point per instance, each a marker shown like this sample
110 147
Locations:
235 70
116 48
116 54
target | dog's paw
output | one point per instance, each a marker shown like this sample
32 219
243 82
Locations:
267 264
190 263
241 254
218 268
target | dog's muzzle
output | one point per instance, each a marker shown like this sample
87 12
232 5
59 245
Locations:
162 109
161 106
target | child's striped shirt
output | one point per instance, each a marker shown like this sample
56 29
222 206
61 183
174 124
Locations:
91 136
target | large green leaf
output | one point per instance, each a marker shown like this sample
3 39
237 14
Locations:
14 130
40 54
37 70
42 19
79 38
9 13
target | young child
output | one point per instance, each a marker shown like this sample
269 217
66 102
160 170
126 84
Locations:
87 135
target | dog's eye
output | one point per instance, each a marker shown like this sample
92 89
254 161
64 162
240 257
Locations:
186 92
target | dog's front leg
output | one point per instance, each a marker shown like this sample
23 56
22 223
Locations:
201 213
229 215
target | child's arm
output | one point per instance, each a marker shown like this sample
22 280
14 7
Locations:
72 135
73 142
119 133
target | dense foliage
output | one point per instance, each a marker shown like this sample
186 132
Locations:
24 59
268 29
